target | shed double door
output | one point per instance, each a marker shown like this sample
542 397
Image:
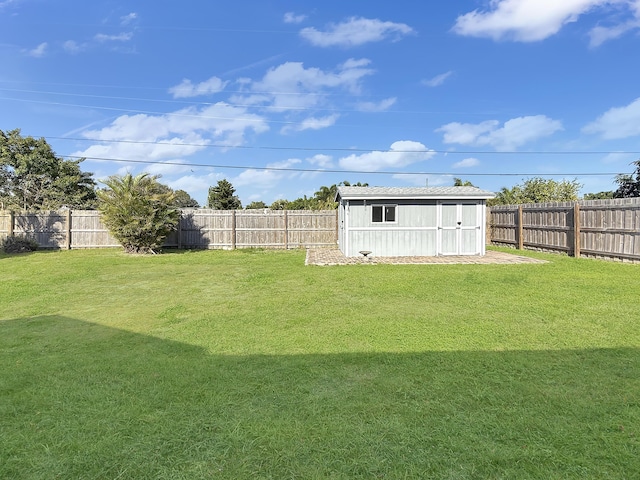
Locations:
459 229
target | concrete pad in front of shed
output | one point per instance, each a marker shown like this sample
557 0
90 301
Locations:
333 256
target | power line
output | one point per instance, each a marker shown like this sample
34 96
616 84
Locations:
184 101
360 172
347 149
156 27
314 108
150 112
245 92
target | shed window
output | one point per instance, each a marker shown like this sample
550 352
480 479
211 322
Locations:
383 213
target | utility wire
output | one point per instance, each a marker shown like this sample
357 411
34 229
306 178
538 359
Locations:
347 149
319 170
184 101
223 104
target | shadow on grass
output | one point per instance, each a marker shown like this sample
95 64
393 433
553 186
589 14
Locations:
80 400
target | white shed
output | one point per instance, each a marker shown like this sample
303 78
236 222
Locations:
406 221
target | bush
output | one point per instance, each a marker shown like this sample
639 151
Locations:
19 244
138 211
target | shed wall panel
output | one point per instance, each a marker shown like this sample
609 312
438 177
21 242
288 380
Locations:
393 243
408 214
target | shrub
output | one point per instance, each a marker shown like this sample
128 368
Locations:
138 211
19 244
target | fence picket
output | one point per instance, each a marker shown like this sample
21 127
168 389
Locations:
590 228
201 228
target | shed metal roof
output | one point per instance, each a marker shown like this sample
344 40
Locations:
440 193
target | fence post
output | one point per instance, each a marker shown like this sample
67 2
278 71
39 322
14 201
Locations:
286 229
520 228
12 223
233 229
180 229
576 230
487 225
67 243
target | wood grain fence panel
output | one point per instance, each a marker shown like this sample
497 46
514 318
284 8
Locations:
6 221
503 224
256 228
545 227
307 229
88 231
198 228
208 229
596 228
48 229
612 228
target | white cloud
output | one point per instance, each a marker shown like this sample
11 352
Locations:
266 178
70 46
513 134
355 31
400 154
173 135
380 106
527 20
291 17
157 149
618 157
127 19
466 163
171 167
121 37
186 89
195 183
617 122
74 47
322 161
312 123
39 51
598 35
466 133
438 79
292 86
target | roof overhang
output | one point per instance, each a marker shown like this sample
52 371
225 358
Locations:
410 193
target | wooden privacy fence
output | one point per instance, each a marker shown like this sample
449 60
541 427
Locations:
225 229
594 228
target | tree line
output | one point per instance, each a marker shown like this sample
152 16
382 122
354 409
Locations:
33 177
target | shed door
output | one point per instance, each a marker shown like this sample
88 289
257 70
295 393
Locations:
459 229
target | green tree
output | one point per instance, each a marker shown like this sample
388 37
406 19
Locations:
257 205
33 177
182 199
599 196
324 198
629 185
279 205
138 211
538 190
458 182
303 203
223 197
357 184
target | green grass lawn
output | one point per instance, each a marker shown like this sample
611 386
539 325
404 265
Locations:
247 364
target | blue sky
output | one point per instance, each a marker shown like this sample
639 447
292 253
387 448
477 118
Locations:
281 97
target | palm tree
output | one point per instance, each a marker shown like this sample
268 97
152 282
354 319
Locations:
138 211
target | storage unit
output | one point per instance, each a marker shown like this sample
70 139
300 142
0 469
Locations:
409 221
